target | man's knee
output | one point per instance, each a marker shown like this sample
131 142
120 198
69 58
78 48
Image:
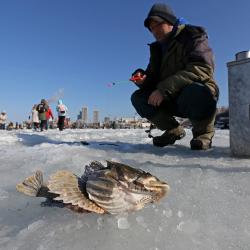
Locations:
139 100
196 102
134 98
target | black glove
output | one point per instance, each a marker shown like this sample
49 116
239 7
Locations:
142 71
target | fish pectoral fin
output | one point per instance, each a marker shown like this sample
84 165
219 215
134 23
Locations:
66 185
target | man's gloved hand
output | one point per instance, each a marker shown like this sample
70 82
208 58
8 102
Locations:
138 77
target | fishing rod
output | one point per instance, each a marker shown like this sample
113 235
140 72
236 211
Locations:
132 79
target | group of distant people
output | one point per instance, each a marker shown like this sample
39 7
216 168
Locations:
10 125
42 114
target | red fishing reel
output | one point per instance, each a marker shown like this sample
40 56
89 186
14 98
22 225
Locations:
136 78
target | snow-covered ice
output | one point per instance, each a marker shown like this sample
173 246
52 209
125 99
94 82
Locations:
207 208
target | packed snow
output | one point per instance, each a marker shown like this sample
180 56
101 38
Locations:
207 208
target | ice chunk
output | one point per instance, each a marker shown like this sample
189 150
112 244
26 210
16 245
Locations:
36 225
189 227
99 223
180 214
168 213
3 194
122 223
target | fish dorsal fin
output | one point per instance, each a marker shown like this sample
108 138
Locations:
91 169
96 165
124 172
67 186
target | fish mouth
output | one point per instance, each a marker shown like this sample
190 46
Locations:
157 185
158 190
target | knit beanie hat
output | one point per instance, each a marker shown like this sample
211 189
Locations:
158 12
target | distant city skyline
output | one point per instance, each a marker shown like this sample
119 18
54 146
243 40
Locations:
85 118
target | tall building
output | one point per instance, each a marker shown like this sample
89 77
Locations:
79 117
85 114
95 116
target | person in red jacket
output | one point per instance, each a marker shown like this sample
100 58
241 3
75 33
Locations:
49 115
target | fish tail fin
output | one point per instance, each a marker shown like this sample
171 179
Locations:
31 185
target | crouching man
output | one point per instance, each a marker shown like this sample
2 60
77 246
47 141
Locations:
178 80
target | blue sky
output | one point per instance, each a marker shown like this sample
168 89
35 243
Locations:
80 46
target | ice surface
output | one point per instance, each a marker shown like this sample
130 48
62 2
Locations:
207 207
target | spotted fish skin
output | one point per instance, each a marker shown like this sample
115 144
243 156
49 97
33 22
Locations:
114 189
120 188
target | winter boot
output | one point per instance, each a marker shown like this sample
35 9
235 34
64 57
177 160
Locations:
200 143
164 121
169 137
203 132
174 131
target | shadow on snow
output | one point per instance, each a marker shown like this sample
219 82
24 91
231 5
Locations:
31 140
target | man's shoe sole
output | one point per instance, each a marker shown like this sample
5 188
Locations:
198 145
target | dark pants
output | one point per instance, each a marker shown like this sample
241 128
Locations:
2 126
35 125
61 122
194 102
43 124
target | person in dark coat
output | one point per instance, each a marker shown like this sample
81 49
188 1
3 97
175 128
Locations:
178 81
42 109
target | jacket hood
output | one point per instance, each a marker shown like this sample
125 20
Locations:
161 11
60 101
